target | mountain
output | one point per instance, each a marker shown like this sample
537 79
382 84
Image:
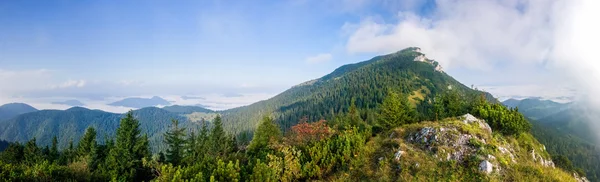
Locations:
536 108
565 130
70 103
141 102
407 71
186 109
583 153
11 110
72 123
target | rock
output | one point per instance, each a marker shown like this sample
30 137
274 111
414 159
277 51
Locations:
398 155
548 163
486 167
580 179
507 151
468 119
421 58
425 136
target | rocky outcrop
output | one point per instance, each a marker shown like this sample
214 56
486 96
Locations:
541 160
468 119
580 178
486 167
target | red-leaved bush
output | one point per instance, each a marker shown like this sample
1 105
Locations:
305 132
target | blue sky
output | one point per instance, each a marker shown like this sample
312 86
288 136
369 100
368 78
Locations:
103 50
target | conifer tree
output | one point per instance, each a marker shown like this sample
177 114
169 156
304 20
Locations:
87 142
54 149
125 158
218 137
175 141
266 132
396 110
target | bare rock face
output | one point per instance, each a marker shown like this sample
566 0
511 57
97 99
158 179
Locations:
486 167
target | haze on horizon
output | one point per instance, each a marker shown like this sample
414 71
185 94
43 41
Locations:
224 54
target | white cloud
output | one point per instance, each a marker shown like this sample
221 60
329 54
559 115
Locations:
17 81
319 58
71 83
469 33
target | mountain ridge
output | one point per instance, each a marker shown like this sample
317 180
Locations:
333 93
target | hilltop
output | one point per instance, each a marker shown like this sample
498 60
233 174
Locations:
407 71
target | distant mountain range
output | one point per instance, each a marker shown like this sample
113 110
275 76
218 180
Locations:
70 103
141 102
565 129
566 117
536 108
72 123
186 109
11 110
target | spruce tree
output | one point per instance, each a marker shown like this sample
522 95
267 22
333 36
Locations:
175 141
31 153
396 110
125 158
54 150
87 142
218 137
266 132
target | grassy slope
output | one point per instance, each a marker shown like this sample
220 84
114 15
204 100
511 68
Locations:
421 163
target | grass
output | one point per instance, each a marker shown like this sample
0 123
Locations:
376 162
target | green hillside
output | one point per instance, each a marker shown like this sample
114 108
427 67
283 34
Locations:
565 130
392 118
366 82
71 124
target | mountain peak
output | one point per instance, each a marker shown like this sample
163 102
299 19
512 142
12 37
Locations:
77 108
11 110
135 102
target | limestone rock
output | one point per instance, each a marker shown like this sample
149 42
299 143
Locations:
398 155
486 167
468 119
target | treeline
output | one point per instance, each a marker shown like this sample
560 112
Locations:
306 151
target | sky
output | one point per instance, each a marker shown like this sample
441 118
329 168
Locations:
228 53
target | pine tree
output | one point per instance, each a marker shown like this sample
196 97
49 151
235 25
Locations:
54 149
217 137
125 158
87 142
396 110
31 153
266 133
175 141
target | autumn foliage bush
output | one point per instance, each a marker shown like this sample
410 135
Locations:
304 132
